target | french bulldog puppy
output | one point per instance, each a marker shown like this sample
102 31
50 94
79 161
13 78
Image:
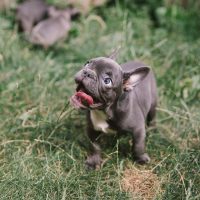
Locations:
56 27
31 12
123 98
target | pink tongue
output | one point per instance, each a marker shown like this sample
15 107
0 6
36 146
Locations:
84 97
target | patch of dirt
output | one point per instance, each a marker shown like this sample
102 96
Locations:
142 184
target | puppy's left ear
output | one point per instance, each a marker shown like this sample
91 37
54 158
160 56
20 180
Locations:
132 78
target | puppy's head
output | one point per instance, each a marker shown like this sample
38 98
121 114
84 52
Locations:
102 80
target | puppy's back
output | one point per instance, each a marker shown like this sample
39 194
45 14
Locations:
49 31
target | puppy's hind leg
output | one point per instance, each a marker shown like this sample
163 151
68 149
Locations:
151 117
138 148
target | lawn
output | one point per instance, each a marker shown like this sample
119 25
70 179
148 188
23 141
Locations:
43 143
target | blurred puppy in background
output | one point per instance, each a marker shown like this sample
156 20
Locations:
29 13
55 28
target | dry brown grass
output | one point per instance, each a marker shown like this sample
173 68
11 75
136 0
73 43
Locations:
5 4
86 5
142 184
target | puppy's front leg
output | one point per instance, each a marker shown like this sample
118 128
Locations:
139 154
93 160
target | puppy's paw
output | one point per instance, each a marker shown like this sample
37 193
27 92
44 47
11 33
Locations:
143 159
93 162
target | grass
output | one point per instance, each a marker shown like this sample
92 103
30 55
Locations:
42 139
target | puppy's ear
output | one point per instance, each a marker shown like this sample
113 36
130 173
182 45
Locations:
132 78
52 11
114 54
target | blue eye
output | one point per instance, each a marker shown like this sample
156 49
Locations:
108 81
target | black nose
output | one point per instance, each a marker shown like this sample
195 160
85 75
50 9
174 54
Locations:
85 73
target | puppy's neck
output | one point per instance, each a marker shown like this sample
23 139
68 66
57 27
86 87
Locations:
109 112
110 109
99 121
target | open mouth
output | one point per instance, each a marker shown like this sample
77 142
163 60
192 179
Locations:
82 99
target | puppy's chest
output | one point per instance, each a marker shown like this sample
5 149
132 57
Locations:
99 122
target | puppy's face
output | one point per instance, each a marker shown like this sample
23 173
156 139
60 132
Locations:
100 78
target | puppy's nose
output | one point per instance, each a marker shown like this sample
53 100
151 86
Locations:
85 73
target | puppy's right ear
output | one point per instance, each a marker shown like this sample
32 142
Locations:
114 54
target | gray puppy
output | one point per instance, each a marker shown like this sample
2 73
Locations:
49 31
124 97
30 12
